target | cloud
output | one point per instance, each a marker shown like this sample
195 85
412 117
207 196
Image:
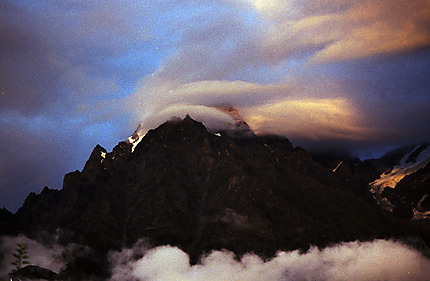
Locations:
275 63
46 256
59 55
212 118
299 109
377 260
324 119
285 109
157 94
343 30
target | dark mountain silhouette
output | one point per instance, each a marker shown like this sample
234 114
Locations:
200 191
398 181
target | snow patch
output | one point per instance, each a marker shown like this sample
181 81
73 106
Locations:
103 155
136 137
392 178
134 141
402 170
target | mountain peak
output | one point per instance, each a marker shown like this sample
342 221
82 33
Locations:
239 128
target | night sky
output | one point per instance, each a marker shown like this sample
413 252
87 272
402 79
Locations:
352 75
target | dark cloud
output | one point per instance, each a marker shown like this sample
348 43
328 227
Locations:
393 96
29 160
23 65
54 52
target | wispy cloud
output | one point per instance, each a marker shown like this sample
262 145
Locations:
343 30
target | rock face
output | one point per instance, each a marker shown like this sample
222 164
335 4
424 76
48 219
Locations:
202 191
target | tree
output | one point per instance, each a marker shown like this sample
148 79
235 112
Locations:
21 256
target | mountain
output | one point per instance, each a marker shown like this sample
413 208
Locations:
182 185
405 187
398 181
239 128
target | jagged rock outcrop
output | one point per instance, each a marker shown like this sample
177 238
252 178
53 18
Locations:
200 191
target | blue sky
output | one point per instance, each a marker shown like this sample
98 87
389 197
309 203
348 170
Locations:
73 74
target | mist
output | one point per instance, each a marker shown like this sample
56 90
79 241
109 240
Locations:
47 255
377 260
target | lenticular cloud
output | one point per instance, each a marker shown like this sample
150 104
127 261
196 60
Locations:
378 260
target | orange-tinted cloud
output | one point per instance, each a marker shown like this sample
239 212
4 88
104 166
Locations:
293 110
310 118
343 30
288 68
